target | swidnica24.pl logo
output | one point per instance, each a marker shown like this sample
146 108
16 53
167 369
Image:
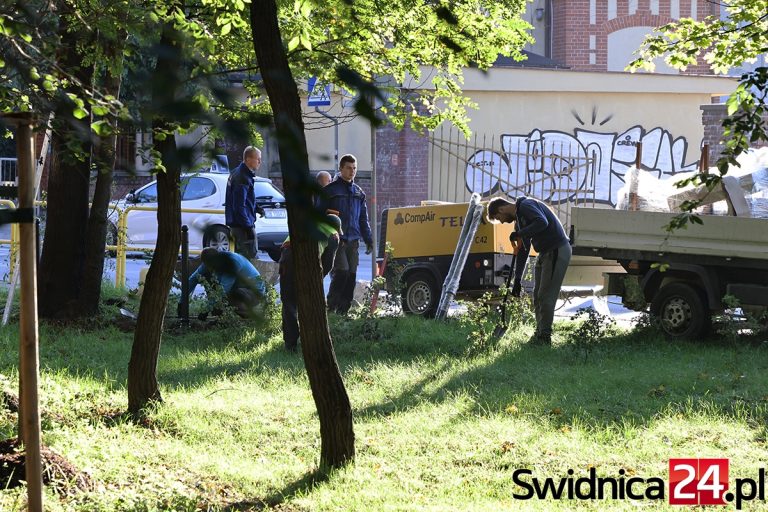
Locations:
690 482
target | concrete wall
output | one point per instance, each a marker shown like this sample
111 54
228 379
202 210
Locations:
567 117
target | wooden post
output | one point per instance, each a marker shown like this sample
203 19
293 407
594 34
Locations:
633 199
704 169
704 160
28 335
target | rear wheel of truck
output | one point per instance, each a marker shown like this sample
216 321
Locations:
682 310
421 294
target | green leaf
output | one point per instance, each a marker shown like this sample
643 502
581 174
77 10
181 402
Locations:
226 29
100 110
306 9
79 113
102 128
293 43
306 43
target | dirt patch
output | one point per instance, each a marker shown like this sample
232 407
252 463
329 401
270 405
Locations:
9 401
58 472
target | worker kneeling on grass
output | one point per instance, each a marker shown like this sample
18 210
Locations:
331 229
241 282
536 225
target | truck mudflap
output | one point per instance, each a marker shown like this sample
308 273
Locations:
748 294
704 277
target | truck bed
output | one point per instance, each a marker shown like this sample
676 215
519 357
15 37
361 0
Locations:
618 234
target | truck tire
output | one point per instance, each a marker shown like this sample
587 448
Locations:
682 310
421 294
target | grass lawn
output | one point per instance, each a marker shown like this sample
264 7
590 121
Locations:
437 427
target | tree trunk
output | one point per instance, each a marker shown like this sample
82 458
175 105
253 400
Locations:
142 369
62 257
96 234
333 406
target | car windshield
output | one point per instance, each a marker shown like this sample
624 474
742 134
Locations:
266 191
148 194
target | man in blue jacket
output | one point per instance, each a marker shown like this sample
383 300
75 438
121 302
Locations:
240 207
536 225
346 199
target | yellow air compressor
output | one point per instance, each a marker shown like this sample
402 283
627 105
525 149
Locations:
423 240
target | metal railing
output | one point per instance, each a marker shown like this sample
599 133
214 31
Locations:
558 172
121 247
14 241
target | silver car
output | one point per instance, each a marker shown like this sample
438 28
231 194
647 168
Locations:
205 190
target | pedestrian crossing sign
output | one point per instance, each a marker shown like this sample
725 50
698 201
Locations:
319 93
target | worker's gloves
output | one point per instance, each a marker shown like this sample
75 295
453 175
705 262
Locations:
516 288
513 236
368 248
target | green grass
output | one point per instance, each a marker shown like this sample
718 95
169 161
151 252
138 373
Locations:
437 427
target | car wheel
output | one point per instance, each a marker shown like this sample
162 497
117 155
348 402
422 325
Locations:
274 254
421 294
682 311
216 237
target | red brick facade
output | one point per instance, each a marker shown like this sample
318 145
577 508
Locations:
574 22
402 166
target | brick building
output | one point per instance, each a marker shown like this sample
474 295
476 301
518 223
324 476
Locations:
600 35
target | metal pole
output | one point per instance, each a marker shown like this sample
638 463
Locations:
374 207
184 302
335 136
28 335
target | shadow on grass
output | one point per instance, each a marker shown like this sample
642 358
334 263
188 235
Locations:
279 499
624 377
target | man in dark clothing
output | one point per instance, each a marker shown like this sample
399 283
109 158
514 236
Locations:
240 207
345 197
239 279
536 225
327 248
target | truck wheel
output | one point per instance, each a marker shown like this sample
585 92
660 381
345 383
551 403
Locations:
682 310
421 294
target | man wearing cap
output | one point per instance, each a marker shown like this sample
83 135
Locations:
536 225
331 228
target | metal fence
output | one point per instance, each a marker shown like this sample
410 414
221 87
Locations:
557 172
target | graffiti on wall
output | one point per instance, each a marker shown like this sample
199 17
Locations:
561 167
